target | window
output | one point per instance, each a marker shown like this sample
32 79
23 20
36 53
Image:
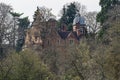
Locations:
58 42
36 38
48 42
71 42
81 31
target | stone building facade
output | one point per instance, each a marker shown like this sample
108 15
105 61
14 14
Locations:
46 34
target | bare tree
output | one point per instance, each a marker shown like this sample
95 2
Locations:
81 8
43 14
8 27
92 24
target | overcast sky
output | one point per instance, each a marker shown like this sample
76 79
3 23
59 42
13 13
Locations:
29 6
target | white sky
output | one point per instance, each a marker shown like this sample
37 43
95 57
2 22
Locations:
29 6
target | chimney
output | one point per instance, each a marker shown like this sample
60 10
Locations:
63 28
74 28
78 32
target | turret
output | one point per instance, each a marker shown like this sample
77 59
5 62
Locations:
79 24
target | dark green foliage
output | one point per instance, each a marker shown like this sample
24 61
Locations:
14 14
23 26
68 13
64 18
112 38
105 6
101 33
70 27
24 22
103 15
20 44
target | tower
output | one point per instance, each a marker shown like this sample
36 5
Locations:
79 25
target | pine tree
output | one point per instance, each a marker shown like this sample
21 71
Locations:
68 14
23 26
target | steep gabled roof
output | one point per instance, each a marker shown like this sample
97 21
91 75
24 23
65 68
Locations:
66 34
63 35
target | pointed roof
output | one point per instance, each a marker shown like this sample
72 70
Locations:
63 35
66 34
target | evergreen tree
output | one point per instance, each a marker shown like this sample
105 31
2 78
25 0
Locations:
69 11
105 6
23 26
68 14
16 17
63 18
103 16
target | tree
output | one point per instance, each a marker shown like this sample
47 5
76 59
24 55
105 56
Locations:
10 23
92 25
108 56
50 57
24 66
43 14
6 27
81 61
15 27
105 6
68 13
23 26
102 16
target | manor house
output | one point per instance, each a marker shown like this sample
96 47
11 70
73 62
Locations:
47 34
